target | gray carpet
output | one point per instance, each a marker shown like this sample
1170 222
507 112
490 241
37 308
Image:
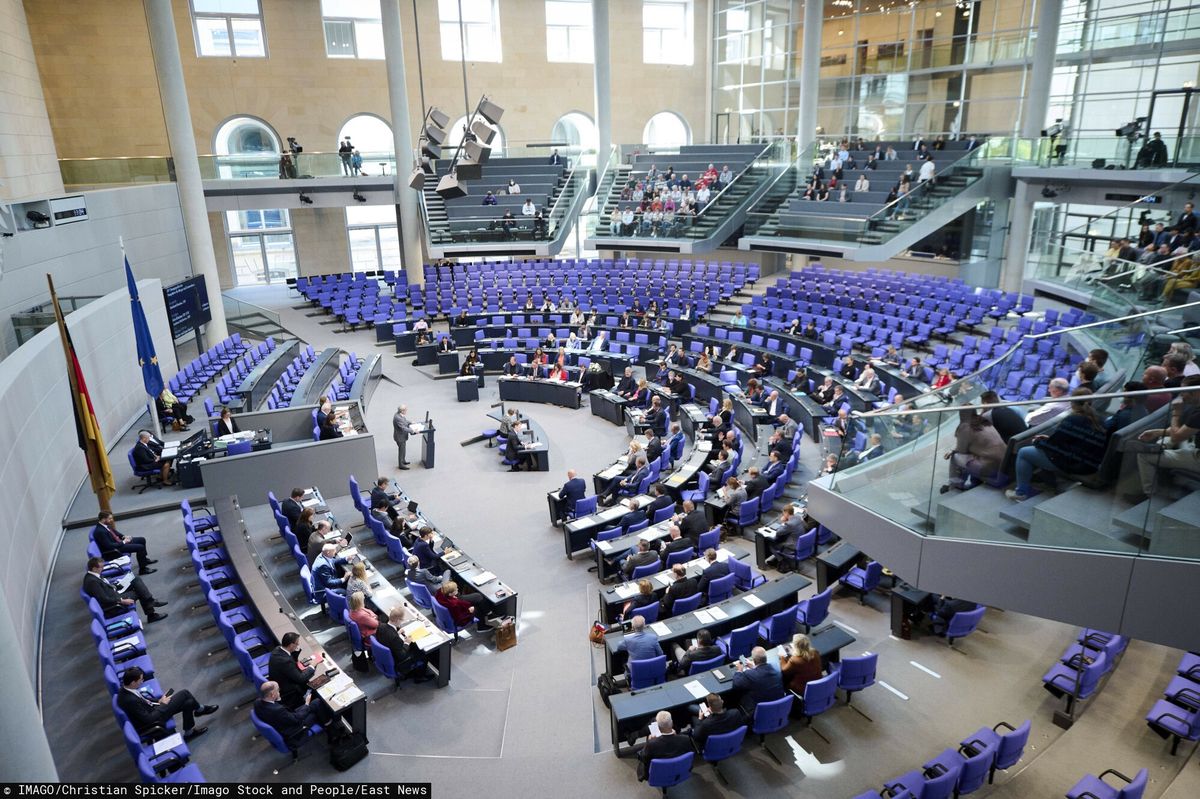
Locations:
528 722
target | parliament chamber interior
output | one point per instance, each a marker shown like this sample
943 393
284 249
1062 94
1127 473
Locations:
772 398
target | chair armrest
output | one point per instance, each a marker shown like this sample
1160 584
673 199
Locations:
972 747
1157 719
1115 773
1004 724
937 769
1192 697
1088 795
1057 676
203 510
1193 673
1093 641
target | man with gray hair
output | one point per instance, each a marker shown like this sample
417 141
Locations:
401 429
292 725
761 681
425 577
1185 349
666 744
1058 388
147 456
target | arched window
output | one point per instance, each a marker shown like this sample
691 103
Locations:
454 135
666 129
577 132
250 149
369 134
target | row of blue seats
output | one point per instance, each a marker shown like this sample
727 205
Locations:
281 392
1177 715
339 387
242 367
193 377
1080 671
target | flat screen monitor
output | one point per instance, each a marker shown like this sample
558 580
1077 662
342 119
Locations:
187 305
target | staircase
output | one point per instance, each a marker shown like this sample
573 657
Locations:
946 188
437 224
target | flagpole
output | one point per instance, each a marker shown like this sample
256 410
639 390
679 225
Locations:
155 424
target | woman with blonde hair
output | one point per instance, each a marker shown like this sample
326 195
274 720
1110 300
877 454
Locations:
358 580
801 665
367 622
644 596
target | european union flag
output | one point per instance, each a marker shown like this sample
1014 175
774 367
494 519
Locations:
151 376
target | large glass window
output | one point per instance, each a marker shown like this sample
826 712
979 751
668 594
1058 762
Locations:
667 32
261 247
369 134
374 241
352 28
248 149
666 129
577 133
569 31
228 28
481 29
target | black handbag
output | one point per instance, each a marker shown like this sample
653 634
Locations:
361 662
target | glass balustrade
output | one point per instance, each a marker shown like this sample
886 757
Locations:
1099 481
85 173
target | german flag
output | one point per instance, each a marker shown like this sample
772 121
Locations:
87 427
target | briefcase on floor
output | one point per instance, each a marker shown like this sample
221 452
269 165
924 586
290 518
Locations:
347 750
506 636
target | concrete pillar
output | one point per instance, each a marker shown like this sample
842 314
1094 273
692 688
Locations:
173 93
1016 244
1037 95
407 211
810 71
602 76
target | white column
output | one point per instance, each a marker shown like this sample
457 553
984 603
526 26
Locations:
810 71
411 252
602 77
173 93
1037 97
1016 246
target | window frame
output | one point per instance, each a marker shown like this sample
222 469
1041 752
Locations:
567 30
377 229
465 41
689 33
228 20
260 235
353 23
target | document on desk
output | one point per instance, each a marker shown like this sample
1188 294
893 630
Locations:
660 628
416 428
168 743
170 450
649 535
665 578
625 590
131 640
766 531
696 689
703 616
604 546
482 578
717 614
723 555
309 503
753 601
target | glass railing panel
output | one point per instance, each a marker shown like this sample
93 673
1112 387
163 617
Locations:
83 172
235 309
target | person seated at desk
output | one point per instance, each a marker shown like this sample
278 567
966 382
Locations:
328 572
775 466
692 522
627 386
810 330
407 656
799 664
675 357
704 363
469 363
676 384
915 369
292 676
726 412
512 368
734 494
573 343
675 442
795 328
675 543
867 380
537 361
732 355
824 393
787 426
943 379
416 573
645 596
702 649
714 570
291 507
462 320
113 544
599 342
665 745
423 549
446 344
572 491
713 718
227 425
836 401
167 404
755 483
639 642
654 446
718 465
145 714
656 417
641 397
764 365
639 554
755 392
366 620
891 357
849 370
315 540
780 444
661 500
557 372
759 682
945 610
663 374
358 582
110 599
329 428
628 484
841 424
147 456
380 494
789 527
292 725
515 450
635 516
463 608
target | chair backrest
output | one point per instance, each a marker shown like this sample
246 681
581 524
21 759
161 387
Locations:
874 575
681 556
337 604
748 511
642 525
701 666
1136 787
975 770
662 514
356 641
585 506
816 607
421 596
1012 746
724 745
441 614
1091 675
610 533
742 640
710 540
686 604
771 716
942 786
665 772
646 672
857 673
806 545
270 733
820 695
384 661
721 588
275 506
781 626
963 624
356 496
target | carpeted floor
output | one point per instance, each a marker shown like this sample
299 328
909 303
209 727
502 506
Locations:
528 722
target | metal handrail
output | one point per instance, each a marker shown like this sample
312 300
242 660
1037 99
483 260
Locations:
926 186
1189 179
1014 403
570 177
713 200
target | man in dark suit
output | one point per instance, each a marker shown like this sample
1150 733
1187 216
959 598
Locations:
628 484
661 500
654 445
407 657
715 570
555 159
775 466
759 682
627 385
703 649
146 458
145 713
640 556
677 385
291 724
426 577
446 344
717 721
1007 421
656 417
665 745
113 545
635 516
755 483
692 522
291 507
379 494
328 571
514 451
512 368
110 599
423 549
572 491
292 676
676 542
789 527
781 444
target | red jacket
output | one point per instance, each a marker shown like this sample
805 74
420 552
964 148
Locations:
460 609
367 623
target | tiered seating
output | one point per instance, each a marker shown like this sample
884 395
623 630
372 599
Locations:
357 298
121 645
340 387
1177 715
242 367
539 181
1082 669
605 286
281 392
191 379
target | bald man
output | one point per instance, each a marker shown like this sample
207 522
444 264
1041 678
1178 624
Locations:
401 430
292 725
571 492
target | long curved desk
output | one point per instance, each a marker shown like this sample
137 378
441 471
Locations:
565 394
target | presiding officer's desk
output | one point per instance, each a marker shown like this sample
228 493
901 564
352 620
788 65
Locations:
634 711
433 642
613 598
194 452
256 385
316 379
340 694
564 393
739 610
578 532
608 405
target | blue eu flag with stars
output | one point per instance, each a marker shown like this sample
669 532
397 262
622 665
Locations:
151 376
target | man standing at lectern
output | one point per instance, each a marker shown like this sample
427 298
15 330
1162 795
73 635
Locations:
401 429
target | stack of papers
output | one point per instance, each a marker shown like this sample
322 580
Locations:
717 614
665 578
704 617
168 743
660 628
753 601
309 503
696 689
626 590
483 577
